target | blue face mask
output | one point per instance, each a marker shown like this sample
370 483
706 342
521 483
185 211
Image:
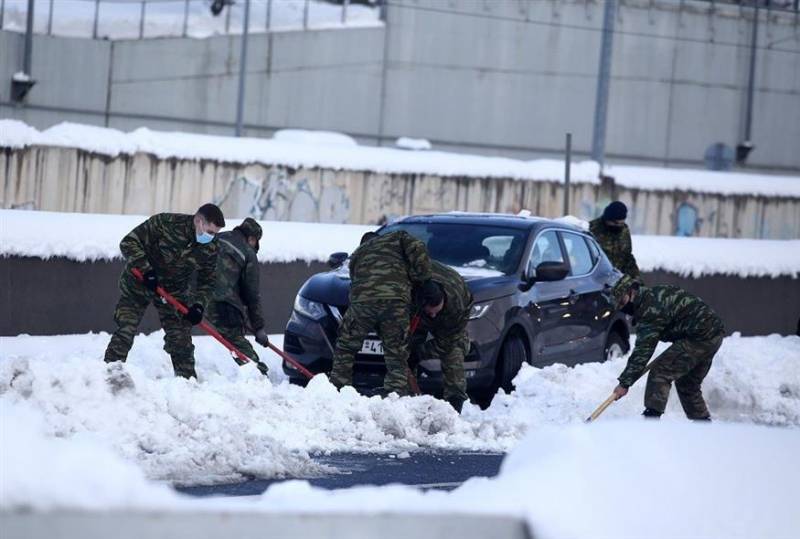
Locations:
204 238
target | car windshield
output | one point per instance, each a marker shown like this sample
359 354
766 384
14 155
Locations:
473 247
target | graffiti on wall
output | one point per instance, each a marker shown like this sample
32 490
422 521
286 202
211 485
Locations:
282 195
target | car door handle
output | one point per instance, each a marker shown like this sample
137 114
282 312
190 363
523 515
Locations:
573 297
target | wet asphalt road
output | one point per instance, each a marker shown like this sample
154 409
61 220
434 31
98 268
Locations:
444 470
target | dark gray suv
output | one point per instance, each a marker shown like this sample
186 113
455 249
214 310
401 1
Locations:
541 297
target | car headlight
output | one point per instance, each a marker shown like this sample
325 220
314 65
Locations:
310 309
479 309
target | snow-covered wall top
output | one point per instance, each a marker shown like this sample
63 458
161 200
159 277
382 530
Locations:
311 150
86 237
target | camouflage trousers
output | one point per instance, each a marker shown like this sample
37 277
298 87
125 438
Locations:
450 351
228 320
390 319
133 302
686 363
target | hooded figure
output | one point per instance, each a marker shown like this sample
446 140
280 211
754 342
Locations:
614 237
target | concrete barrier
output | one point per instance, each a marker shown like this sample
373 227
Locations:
61 296
250 525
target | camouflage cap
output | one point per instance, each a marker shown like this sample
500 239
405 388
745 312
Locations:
251 229
622 287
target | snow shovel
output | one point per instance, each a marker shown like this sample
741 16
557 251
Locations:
606 403
166 297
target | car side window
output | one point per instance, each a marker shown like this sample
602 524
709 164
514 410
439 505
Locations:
594 249
580 258
546 249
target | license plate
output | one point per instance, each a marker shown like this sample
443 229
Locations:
372 347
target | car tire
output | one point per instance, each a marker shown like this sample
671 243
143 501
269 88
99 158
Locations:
615 347
512 356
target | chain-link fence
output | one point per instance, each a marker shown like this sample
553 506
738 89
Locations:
137 19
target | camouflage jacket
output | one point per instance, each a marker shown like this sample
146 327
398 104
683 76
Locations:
386 267
453 318
449 328
167 244
238 277
617 246
667 313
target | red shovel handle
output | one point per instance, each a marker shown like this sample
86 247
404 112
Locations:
208 328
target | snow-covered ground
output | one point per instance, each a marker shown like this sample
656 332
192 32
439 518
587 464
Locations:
233 423
122 19
72 440
84 237
309 149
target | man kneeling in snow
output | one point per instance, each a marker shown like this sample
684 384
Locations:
167 248
668 313
444 311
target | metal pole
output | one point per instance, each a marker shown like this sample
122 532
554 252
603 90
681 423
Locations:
50 19
305 15
185 18
603 80
242 66
345 5
228 20
96 16
2 12
567 166
751 83
269 15
141 19
26 62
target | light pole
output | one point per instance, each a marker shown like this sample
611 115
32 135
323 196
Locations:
603 80
242 66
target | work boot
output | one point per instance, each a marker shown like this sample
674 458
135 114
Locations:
649 413
457 403
705 419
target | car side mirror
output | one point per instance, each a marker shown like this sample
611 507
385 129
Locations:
336 260
551 271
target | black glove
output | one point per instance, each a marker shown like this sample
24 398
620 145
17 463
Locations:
457 403
194 314
262 338
150 280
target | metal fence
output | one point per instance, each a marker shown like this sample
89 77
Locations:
138 19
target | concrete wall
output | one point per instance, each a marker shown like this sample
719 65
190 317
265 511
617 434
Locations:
488 76
222 524
59 296
66 179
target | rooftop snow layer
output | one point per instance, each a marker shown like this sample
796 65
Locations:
297 148
83 237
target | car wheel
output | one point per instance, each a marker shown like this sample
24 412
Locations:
512 357
616 347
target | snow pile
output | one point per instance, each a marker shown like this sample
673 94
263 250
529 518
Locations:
85 237
310 149
408 143
696 257
121 20
298 149
628 479
753 379
636 479
234 424
89 237
44 472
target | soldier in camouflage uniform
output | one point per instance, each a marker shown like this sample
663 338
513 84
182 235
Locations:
383 271
236 296
167 248
668 313
614 237
444 314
